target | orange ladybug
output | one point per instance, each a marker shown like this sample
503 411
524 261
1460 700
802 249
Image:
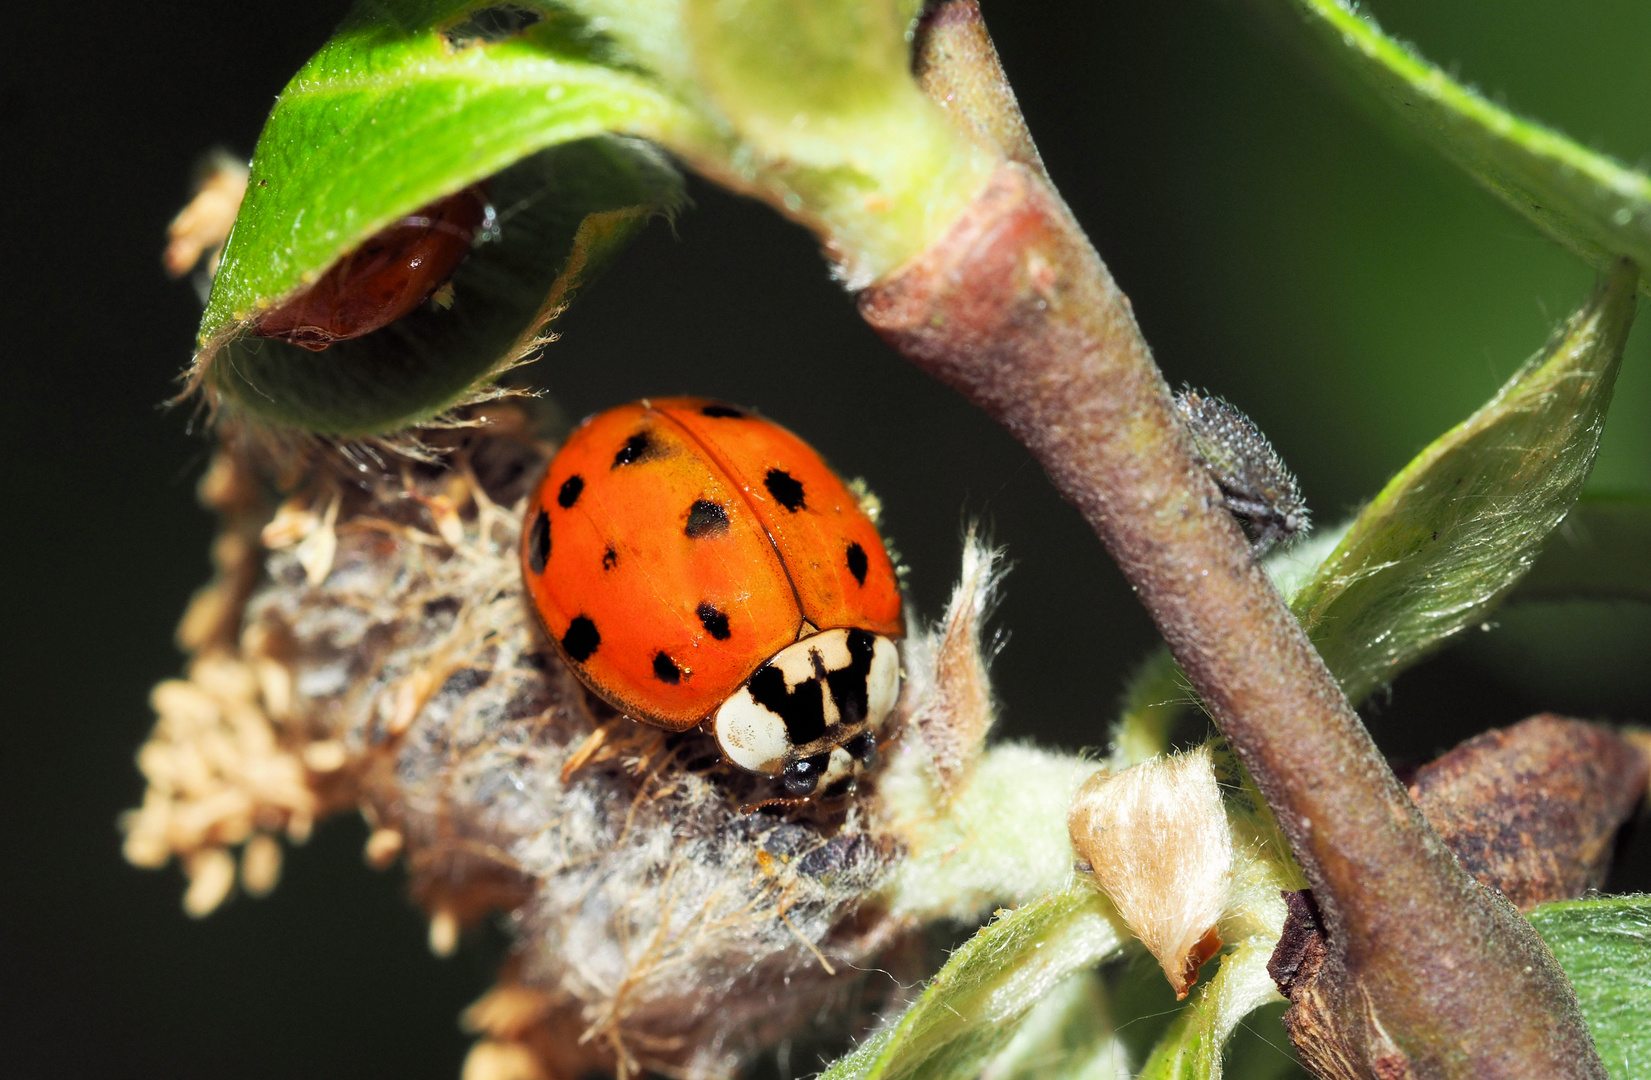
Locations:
698 565
385 278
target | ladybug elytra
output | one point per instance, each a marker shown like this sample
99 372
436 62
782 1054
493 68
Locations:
698 565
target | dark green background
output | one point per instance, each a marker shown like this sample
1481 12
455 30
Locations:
1281 244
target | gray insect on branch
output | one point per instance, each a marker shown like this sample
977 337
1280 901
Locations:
1256 486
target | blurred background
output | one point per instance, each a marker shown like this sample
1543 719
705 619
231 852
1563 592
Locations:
1282 246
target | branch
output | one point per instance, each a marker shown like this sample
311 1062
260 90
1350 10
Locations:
1013 307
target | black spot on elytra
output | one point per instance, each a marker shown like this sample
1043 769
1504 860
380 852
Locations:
857 564
639 447
706 518
786 489
571 489
714 621
609 558
722 412
538 543
581 640
665 669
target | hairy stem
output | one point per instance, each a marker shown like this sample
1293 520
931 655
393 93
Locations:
1434 975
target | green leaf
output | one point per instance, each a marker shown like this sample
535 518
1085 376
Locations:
1604 945
1601 552
570 209
1457 528
412 100
972 1010
1591 203
1191 1049
390 116
1069 1034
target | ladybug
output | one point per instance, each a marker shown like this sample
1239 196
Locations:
697 565
389 275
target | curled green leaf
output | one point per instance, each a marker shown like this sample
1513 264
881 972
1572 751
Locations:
1457 528
567 211
1591 203
410 101
1192 1048
1604 945
974 1007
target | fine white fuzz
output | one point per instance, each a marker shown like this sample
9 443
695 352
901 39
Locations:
1157 841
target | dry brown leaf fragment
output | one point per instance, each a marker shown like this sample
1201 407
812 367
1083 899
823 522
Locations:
1531 810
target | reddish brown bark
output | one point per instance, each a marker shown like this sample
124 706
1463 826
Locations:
1013 307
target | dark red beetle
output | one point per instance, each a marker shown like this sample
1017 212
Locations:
385 278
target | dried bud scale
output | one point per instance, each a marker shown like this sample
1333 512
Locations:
1256 485
1156 840
387 660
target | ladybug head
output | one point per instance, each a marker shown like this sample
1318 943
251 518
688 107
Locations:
809 716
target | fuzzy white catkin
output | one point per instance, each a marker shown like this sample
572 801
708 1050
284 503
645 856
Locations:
1157 840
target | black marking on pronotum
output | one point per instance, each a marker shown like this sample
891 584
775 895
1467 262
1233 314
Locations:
638 447
490 25
848 685
538 542
786 489
857 564
802 709
722 412
706 518
609 558
714 621
802 776
665 669
569 494
581 640
1256 486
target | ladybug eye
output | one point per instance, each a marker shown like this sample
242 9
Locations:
857 564
863 748
802 777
